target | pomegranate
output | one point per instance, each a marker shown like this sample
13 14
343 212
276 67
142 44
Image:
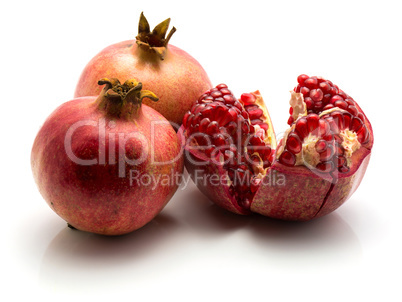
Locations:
171 73
232 155
107 164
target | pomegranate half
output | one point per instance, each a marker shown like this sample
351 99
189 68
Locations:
107 164
171 73
232 155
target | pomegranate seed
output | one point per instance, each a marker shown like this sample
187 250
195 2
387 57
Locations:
326 99
185 118
347 117
321 146
341 104
329 106
302 128
353 110
311 83
326 167
318 106
363 135
207 111
301 78
225 91
219 113
328 137
220 86
339 150
247 98
245 127
350 101
305 91
256 122
342 94
231 115
293 143
204 124
255 113
229 99
312 122
264 126
325 87
324 128
336 98
199 108
341 161
309 103
212 128
316 95
287 158
332 124
327 153
210 151
219 140
231 128
291 110
256 141
338 119
356 124
265 151
238 105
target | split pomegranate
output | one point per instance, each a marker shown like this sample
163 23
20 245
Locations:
171 73
232 156
107 164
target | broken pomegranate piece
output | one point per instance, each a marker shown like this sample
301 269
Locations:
231 151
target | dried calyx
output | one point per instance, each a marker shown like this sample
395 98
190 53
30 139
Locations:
122 100
155 41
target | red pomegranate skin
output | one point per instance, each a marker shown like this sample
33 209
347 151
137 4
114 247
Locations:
94 198
306 195
178 80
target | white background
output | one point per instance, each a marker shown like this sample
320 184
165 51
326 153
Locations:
194 251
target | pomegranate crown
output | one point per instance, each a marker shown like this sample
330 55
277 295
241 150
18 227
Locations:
156 40
116 97
130 91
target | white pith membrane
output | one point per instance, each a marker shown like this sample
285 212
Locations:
308 156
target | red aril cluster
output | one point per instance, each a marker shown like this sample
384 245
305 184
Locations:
315 168
320 94
234 132
331 112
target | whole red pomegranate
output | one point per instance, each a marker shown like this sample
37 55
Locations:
171 73
231 151
107 164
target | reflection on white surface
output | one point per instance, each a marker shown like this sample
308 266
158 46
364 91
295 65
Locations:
192 235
